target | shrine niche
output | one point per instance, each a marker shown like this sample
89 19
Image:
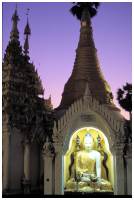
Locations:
88 163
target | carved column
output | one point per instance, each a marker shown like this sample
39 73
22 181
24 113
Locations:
119 170
128 159
48 173
26 180
58 169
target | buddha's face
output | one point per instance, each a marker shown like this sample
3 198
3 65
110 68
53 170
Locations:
88 142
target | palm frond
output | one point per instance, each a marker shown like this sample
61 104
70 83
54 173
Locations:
78 8
96 5
92 11
76 11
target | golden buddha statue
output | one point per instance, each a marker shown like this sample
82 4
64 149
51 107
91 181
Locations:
87 169
88 163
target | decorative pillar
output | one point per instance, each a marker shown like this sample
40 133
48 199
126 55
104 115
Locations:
128 159
48 173
119 170
58 169
26 179
5 160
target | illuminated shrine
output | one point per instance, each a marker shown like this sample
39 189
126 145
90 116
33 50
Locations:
88 163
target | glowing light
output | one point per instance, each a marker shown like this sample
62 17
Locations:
93 132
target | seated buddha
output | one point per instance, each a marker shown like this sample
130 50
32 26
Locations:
87 167
88 161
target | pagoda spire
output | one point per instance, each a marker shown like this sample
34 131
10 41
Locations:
14 35
27 33
86 33
86 69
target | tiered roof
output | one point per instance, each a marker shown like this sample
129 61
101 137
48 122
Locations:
22 86
86 70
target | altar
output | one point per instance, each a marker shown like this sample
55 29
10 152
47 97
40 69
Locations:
88 163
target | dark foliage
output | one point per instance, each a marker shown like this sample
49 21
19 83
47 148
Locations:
78 8
124 97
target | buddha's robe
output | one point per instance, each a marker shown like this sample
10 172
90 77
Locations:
88 163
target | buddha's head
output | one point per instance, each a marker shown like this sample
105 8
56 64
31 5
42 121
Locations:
88 142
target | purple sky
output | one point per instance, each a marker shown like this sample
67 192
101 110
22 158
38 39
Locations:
55 35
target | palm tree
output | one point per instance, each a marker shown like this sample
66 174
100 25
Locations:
78 8
124 97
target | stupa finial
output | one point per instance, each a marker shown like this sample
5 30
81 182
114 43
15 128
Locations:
14 35
85 18
27 32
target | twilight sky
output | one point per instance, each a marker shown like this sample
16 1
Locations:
54 39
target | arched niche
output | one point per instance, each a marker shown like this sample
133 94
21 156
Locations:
92 119
106 164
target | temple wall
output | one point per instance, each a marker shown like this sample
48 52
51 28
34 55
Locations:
13 162
5 158
16 161
129 176
41 171
35 165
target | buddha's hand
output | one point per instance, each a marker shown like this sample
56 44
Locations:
85 177
94 178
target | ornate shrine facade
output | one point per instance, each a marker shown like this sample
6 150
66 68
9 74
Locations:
83 146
